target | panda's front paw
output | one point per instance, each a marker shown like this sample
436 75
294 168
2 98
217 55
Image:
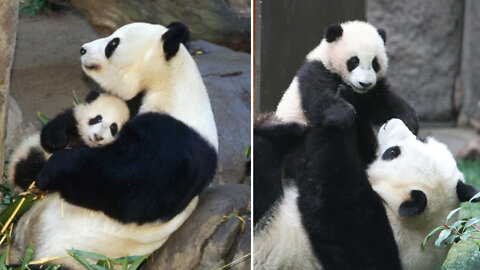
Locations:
53 139
340 115
56 168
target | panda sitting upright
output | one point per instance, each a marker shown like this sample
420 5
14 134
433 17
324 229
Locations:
93 123
144 185
419 183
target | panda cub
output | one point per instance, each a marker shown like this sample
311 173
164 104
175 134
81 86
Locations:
348 68
93 123
420 184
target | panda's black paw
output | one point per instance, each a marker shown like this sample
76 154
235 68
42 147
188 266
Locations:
56 168
346 92
53 139
341 115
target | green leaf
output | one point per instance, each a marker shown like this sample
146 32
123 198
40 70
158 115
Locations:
27 258
137 262
474 197
81 260
451 239
125 263
442 236
247 152
457 223
130 259
43 119
7 212
2 261
425 240
76 100
98 267
90 255
453 213
53 267
472 222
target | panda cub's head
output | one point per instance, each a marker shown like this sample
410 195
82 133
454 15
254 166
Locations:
355 51
125 62
416 176
100 118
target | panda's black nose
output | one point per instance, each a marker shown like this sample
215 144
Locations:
82 51
365 84
97 137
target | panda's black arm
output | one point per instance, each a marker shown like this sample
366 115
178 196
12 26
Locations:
381 105
56 134
152 170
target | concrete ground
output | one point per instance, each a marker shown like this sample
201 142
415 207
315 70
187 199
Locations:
46 65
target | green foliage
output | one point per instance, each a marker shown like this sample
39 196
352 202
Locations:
34 7
43 119
105 263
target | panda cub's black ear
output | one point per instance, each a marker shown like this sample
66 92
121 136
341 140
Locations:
466 191
91 96
177 33
416 205
333 32
382 34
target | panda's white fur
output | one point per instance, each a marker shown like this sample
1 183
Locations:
359 39
428 167
285 244
112 111
172 87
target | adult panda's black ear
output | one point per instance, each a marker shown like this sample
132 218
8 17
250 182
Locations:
91 96
465 192
333 32
177 33
383 34
416 205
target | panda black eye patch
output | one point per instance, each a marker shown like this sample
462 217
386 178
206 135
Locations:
391 153
375 64
352 63
111 46
114 129
97 119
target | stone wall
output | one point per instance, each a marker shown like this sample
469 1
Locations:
8 29
424 45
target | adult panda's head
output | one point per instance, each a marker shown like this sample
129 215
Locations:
354 50
416 177
100 118
125 62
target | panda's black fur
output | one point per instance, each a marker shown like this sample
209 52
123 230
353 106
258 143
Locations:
344 218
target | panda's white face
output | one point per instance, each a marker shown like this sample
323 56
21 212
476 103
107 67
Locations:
407 166
123 62
357 54
100 121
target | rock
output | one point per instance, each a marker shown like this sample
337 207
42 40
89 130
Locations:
469 82
18 127
423 41
8 32
213 236
471 150
218 21
227 77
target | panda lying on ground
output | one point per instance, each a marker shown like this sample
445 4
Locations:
93 123
322 222
128 197
420 184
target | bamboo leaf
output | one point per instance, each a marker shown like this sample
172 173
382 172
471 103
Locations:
125 263
2 261
90 255
53 267
425 240
137 262
27 258
474 197
81 260
472 222
43 119
442 236
76 100
450 215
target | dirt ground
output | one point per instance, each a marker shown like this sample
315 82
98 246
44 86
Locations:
46 65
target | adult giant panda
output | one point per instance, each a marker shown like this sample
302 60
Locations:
127 197
93 123
420 184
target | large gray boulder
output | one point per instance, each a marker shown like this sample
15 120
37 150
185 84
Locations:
423 40
469 94
224 22
8 31
18 127
213 236
227 77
